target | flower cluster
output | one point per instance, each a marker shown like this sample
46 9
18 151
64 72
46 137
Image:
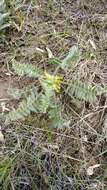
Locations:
53 82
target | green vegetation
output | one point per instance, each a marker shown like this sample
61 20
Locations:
45 101
53 86
4 18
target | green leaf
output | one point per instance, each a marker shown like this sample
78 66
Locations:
4 16
2 6
25 69
71 59
55 61
55 116
44 103
5 166
15 93
82 91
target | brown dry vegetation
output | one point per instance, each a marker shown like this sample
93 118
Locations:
33 155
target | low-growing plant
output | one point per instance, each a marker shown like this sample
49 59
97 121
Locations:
43 102
10 15
45 99
4 17
5 167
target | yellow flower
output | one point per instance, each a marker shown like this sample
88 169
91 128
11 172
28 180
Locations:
54 81
48 76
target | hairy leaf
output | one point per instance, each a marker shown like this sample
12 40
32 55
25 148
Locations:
25 69
71 59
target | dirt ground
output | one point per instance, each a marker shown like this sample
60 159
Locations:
56 159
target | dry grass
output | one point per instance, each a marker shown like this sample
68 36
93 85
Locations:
33 155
